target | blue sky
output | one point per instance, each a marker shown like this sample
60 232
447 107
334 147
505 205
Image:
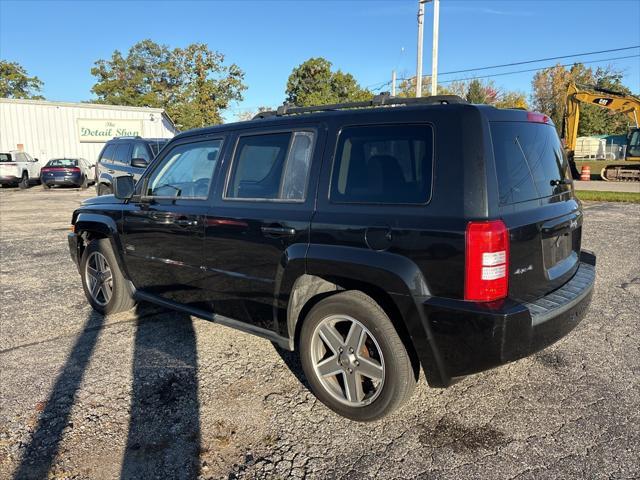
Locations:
59 41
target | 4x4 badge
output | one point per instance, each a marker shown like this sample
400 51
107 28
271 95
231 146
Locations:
522 270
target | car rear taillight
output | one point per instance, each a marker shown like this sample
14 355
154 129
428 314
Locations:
73 170
537 117
487 261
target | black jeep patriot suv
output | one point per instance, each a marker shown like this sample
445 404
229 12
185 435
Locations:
125 156
374 238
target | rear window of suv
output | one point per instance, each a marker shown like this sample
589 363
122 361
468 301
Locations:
529 161
384 164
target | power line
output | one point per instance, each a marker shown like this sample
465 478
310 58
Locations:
536 69
379 85
541 60
515 71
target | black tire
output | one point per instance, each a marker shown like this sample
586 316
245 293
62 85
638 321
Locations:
399 379
45 186
104 190
120 299
24 181
85 183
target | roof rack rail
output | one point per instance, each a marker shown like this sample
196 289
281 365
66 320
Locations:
377 101
127 136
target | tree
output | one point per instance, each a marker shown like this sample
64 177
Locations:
313 83
192 84
481 93
474 91
549 97
15 82
512 100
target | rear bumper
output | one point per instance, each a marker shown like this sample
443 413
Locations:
472 337
9 179
62 180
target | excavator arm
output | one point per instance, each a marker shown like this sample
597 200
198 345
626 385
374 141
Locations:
628 105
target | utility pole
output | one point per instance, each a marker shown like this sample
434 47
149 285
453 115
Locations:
420 34
434 58
393 83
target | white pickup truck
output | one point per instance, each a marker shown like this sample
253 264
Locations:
19 168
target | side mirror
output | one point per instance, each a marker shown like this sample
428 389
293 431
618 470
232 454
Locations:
139 163
36 160
123 187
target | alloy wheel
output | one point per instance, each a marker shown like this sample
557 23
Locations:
99 278
347 360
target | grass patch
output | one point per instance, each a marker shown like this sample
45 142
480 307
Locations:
630 197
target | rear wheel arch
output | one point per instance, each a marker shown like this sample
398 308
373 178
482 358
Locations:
308 290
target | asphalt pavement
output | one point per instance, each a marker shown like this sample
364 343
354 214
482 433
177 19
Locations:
156 394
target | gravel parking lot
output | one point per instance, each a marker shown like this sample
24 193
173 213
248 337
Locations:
156 394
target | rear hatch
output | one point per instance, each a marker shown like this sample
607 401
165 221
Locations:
537 205
8 167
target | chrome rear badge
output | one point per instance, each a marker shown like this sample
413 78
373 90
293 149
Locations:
522 270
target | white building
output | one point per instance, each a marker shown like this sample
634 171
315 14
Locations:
49 130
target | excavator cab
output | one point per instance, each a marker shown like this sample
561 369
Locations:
633 144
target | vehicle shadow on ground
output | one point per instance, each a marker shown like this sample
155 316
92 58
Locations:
164 425
292 360
45 440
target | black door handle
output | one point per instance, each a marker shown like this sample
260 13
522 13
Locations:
278 231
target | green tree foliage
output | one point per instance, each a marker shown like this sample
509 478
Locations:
481 93
15 82
314 83
474 91
192 84
549 97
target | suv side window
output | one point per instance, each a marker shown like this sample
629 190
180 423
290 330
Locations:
107 154
140 151
186 171
384 164
121 154
272 166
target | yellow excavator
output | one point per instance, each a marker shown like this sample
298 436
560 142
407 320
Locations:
622 103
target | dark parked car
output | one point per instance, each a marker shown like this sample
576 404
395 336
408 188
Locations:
374 241
125 156
74 172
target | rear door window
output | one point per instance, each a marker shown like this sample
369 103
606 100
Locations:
271 167
386 164
530 163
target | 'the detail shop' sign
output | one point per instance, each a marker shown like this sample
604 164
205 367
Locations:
96 130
